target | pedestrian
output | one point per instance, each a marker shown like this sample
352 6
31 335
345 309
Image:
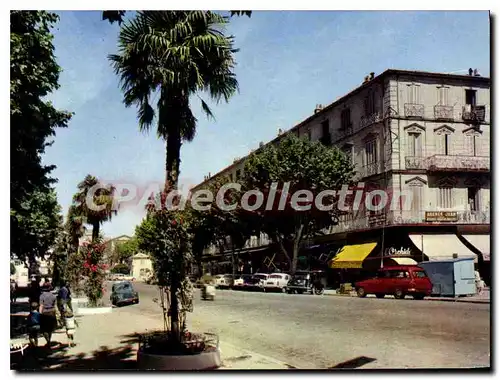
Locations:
479 282
13 291
34 291
70 324
63 298
33 324
48 320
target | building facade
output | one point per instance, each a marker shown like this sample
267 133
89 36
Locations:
409 132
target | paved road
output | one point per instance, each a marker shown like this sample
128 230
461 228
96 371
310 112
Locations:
318 332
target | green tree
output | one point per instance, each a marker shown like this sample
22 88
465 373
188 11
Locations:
124 251
102 198
306 166
35 225
117 16
121 268
176 54
34 74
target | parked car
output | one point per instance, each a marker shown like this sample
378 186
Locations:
277 282
257 281
241 281
225 282
123 293
399 281
307 282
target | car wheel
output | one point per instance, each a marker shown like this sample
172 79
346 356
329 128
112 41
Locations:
398 294
419 296
318 291
300 291
283 290
380 295
361 292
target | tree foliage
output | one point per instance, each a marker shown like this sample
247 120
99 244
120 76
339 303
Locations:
101 196
34 74
176 54
117 16
305 166
123 251
121 268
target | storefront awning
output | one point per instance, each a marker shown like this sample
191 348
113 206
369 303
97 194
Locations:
403 260
352 256
481 243
441 247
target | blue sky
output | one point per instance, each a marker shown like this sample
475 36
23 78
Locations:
288 63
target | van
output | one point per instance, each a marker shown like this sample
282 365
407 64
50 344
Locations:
399 281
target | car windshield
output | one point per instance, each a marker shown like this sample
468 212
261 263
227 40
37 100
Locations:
420 274
125 286
275 276
260 276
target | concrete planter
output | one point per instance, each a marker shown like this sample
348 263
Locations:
94 310
203 361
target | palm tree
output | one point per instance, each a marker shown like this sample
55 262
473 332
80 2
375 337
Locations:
175 54
102 197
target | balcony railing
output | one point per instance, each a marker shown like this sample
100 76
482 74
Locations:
474 113
344 131
416 111
454 163
413 162
371 169
448 163
375 117
443 112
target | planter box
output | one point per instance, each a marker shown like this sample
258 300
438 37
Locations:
94 310
206 360
202 361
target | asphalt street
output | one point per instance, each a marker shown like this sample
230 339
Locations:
318 332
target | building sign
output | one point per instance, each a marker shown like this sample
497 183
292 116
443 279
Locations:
397 252
441 216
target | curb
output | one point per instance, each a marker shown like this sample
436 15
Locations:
463 300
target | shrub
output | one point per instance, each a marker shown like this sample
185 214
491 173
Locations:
120 268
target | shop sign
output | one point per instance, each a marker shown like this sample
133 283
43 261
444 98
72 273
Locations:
441 216
397 252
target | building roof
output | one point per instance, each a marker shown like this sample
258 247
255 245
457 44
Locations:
384 75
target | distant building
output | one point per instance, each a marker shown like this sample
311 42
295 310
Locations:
142 266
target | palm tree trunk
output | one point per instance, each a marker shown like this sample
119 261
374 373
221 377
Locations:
95 232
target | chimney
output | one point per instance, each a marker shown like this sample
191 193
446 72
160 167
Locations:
372 75
470 72
209 175
280 131
318 108
476 73
261 144
367 79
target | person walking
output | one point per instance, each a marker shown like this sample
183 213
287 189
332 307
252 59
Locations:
48 320
13 291
34 291
479 282
33 324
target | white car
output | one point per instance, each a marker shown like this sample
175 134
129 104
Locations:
241 281
277 281
258 281
221 281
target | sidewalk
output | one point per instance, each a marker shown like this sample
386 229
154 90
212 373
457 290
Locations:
108 341
484 297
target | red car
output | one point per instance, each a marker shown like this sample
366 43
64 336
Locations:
398 281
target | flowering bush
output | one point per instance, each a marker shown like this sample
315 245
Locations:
94 270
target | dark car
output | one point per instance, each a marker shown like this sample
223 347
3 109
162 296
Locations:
398 281
306 282
123 293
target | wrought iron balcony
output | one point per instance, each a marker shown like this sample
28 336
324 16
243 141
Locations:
344 131
412 162
416 111
439 217
474 113
458 163
443 112
375 117
371 169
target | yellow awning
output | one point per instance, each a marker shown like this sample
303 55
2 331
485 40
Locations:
352 256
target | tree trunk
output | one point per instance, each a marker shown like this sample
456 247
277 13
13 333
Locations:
283 249
95 232
296 245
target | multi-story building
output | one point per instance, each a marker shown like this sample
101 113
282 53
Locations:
418 133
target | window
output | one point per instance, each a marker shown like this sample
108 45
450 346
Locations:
413 94
309 135
443 96
471 144
473 198
419 274
445 197
369 103
417 195
325 128
371 152
443 144
470 97
345 118
414 144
